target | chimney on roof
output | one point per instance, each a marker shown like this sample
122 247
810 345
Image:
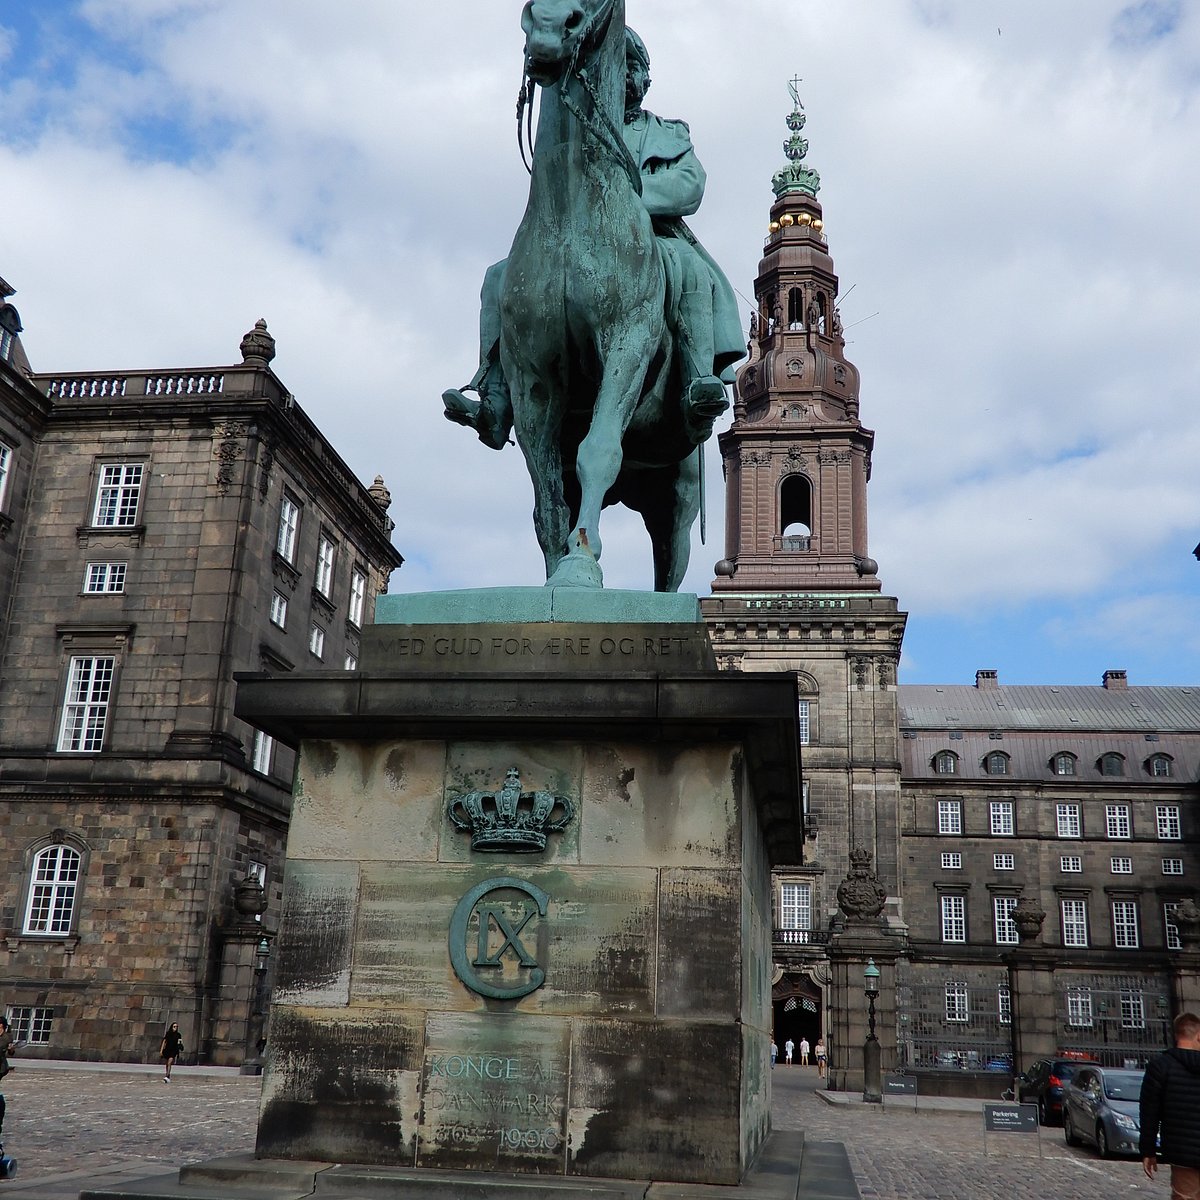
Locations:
987 679
1115 680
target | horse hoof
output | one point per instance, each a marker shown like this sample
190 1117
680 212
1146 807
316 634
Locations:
579 569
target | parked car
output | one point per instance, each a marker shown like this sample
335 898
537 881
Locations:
1101 1106
1042 1084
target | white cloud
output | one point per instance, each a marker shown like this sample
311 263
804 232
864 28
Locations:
1015 203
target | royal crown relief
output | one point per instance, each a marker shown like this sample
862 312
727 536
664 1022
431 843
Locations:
489 923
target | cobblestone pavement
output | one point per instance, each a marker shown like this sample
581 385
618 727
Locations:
69 1126
906 1155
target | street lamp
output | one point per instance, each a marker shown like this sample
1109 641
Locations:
872 1067
255 1043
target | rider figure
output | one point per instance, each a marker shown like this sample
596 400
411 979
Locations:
701 306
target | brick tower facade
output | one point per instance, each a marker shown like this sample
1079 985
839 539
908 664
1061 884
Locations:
797 590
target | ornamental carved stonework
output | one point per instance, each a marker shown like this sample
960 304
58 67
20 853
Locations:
228 436
860 895
1186 918
1027 916
862 672
756 458
833 456
887 673
795 368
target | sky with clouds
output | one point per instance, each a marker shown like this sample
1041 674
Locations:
1009 190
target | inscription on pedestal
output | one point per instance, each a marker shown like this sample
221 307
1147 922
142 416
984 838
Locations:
494 1092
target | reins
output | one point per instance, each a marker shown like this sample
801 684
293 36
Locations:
602 130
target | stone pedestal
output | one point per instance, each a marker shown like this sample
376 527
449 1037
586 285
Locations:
850 949
527 906
1185 982
238 1010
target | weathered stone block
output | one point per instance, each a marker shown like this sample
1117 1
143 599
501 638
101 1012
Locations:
320 903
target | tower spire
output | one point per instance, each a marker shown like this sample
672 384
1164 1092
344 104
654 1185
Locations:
796 458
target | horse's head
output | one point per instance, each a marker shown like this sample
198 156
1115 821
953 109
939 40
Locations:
557 32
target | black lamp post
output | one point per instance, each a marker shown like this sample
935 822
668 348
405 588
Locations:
872 1062
253 1063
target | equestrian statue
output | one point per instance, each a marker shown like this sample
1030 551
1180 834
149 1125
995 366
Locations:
608 334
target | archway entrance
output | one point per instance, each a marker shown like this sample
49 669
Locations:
796 1012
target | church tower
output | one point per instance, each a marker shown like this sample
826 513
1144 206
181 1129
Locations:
797 590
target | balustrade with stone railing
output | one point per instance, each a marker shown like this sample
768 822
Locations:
800 937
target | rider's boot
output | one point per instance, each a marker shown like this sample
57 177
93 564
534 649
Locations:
491 415
704 398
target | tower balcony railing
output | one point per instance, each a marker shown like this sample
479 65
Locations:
792 543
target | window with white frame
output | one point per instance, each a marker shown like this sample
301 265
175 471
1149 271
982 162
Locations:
326 556
316 641
795 906
351 663
1125 924
279 609
1067 820
1006 929
954 918
958 1007
802 720
1070 864
1121 866
53 889
1172 866
5 465
1002 818
263 755
1116 820
952 861
85 707
30 1025
1167 817
1079 1008
1133 1011
1004 1004
289 526
949 814
1170 929
358 597
945 762
1064 763
104 578
118 493
1004 862
1074 922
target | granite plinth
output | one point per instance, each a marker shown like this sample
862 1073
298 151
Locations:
590 999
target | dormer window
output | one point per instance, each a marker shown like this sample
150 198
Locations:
995 763
10 326
1159 766
945 762
1063 763
1111 765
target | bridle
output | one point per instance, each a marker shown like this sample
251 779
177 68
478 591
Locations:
597 123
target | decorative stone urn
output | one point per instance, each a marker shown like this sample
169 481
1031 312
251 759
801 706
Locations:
1028 918
249 898
1186 919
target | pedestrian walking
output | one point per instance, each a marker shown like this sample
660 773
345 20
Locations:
171 1049
789 1048
819 1051
804 1051
774 1054
1170 1106
7 1046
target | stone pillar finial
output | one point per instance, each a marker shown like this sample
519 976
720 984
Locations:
258 346
249 897
1028 918
1186 918
860 895
378 491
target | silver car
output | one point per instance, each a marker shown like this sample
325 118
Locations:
1101 1106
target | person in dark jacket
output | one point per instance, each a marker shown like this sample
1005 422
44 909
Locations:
1171 1104
171 1049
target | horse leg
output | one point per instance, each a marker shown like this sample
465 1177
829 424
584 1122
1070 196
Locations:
598 459
668 499
537 429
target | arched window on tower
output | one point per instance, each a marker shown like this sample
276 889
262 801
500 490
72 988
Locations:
822 313
795 318
795 513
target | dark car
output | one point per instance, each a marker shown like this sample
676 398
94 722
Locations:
1101 1106
1042 1084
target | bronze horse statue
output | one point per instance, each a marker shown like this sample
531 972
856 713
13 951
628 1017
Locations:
586 343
